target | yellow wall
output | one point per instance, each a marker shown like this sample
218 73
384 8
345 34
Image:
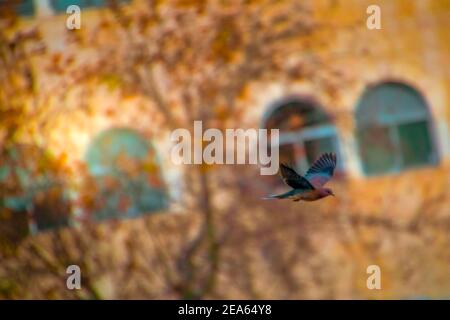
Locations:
413 46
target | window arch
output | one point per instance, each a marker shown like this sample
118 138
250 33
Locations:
32 188
306 131
126 175
393 129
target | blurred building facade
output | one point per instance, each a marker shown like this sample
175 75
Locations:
391 116
388 121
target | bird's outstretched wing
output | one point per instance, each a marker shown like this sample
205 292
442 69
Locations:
322 170
294 180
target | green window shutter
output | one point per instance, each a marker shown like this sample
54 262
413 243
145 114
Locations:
24 7
415 144
377 150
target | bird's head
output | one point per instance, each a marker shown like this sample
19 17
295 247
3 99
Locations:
327 192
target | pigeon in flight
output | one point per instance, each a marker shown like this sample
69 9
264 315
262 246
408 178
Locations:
310 187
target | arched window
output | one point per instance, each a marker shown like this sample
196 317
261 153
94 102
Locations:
62 5
20 7
393 129
32 188
126 173
305 132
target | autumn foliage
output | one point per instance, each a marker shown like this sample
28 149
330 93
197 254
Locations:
154 66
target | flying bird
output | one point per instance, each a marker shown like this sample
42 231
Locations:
311 186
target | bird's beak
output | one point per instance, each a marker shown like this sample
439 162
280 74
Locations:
333 194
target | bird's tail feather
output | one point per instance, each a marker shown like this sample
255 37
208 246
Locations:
275 196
